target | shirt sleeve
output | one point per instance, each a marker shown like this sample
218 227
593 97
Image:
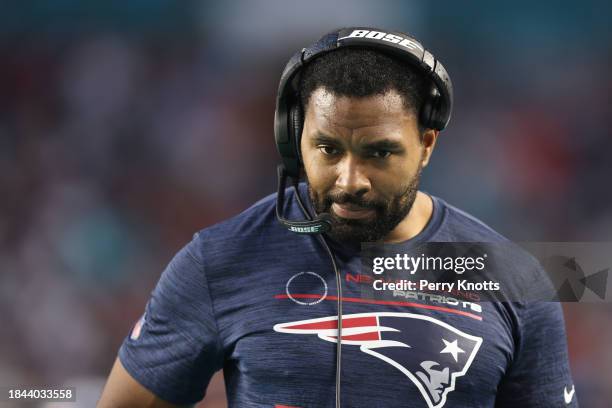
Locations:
174 349
539 375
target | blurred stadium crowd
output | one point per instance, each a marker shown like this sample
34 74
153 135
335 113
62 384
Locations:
125 129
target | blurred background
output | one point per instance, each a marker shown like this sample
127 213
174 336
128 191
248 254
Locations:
127 126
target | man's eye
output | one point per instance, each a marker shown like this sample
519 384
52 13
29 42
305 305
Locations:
329 150
381 154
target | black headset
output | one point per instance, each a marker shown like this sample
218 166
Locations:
288 118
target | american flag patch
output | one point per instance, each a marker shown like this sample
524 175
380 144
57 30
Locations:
137 328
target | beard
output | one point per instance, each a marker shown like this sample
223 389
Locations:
388 214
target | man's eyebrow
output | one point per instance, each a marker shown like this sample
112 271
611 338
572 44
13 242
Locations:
384 144
321 138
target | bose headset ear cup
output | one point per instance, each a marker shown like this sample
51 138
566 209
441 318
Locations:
297 120
430 111
425 115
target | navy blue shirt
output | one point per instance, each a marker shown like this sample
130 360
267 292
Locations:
259 302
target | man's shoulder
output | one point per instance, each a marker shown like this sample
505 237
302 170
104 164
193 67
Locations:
458 225
254 229
258 217
518 271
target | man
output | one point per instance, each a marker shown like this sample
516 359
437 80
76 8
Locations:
266 305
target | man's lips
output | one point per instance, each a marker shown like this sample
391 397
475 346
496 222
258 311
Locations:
351 211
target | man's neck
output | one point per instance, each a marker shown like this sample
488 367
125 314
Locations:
415 222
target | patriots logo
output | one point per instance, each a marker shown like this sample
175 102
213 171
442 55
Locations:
431 353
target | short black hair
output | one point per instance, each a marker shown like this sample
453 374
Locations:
360 72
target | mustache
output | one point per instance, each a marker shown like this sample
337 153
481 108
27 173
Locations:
339 197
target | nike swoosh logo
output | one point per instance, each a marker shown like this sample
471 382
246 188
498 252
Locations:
568 395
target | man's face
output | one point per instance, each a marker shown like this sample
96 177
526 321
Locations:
363 158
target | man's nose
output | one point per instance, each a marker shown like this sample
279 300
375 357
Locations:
352 177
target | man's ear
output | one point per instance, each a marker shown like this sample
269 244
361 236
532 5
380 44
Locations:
428 141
